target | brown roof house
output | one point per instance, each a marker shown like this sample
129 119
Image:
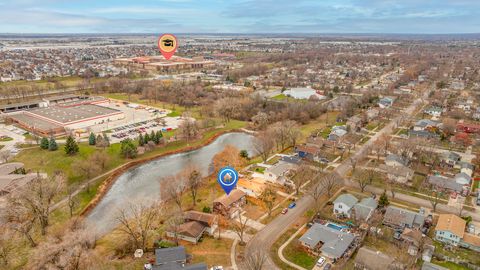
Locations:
196 224
414 240
230 205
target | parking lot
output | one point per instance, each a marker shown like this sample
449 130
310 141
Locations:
132 131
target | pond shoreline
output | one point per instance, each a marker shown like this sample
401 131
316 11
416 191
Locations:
108 183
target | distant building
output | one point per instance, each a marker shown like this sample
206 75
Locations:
303 93
369 259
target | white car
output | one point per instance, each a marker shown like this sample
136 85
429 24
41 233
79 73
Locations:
320 261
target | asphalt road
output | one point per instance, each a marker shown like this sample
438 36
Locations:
265 238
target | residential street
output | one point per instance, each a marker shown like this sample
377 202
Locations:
266 237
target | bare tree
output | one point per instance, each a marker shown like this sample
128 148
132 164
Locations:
35 199
434 199
20 219
239 227
72 201
268 197
8 244
255 260
365 178
5 155
172 188
194 180
301 175
353 164
70 248
189 129
138 223
329 182
100 158
264 144
316 191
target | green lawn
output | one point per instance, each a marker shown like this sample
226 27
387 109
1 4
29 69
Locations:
295 253
280 97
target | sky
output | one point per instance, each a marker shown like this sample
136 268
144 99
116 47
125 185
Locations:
237 16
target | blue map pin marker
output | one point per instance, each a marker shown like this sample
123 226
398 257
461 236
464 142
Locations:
227 178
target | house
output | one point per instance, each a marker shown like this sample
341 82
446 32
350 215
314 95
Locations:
399 218
468 127
174 258
10 180
434 111
425 124
431 266
400 174
365 208
230 205
450 229
393 160
278 173
385 102
369 259
372 114
343 205
463 179
450 158
337 133
470 241
466 168
330 242
355 123
311 153
209 221
444 183
190 231
423 134
295 160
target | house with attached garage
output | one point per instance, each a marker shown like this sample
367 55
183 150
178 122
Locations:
278 173
230 205
395 160
330 242
343 205
434 111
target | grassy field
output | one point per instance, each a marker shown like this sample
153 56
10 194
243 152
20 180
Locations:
450 265
276 246
211 251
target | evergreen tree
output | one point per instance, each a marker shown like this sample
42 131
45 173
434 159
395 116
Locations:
44 143
244 154
152 136
52 144
71 146
141 141
146 138
383 200
128 149
91 139
156 138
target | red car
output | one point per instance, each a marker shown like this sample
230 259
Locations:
284 211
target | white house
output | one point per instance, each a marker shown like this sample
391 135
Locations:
343 205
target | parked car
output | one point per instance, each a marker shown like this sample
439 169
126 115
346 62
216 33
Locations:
327 266
284 211
321 261
292 205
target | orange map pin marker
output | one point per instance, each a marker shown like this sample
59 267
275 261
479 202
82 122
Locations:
167 44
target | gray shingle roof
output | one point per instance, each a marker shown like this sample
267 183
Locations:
400 217
347 199
443 182
335 242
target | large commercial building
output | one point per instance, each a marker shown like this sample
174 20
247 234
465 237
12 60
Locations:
57 119
159 63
